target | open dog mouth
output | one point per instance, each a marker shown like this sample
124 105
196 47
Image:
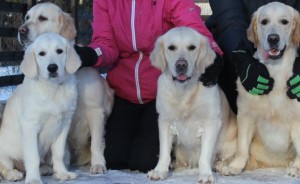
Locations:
273 53
181 78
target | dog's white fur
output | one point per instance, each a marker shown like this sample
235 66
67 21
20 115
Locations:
268 125
95 98
37 117
190 115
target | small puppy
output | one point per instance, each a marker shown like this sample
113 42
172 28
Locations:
191 116
38 115
268 125
95 97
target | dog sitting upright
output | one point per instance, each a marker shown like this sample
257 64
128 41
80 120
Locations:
38 115
269 125
192 117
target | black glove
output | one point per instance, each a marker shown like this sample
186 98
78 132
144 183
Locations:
254 75
210 77
88 56
293 82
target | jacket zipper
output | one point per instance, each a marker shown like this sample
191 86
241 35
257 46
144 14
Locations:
137 83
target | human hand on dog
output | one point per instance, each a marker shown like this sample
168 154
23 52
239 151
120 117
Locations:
293 82
88 55
254 75
210 77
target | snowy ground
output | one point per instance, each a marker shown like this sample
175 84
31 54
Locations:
262 176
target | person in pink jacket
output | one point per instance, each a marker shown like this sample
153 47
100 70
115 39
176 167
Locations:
124 32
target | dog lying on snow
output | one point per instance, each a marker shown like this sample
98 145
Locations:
191 116
38 115
95 97
268 125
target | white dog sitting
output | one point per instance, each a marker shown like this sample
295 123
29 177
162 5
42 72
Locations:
38 115
190 115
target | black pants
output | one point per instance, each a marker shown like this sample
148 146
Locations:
131 136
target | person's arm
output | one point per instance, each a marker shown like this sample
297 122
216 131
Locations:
231 24
103 40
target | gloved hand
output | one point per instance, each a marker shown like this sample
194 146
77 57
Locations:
210 77
254 75
88 55
293 82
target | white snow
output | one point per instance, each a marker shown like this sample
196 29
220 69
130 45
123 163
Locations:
261 176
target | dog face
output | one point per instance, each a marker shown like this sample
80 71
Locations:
50 56
46 17
182 53
274 27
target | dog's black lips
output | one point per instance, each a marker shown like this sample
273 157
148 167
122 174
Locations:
181 81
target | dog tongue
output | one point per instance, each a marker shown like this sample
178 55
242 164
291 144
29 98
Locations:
181 77
265 55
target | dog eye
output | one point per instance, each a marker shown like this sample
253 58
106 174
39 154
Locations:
284 22
42 18
172 47
264 22
27 17
42 53
59 51
191 47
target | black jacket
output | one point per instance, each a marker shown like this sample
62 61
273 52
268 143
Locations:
231 19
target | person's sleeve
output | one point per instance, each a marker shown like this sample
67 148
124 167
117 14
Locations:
231 23
187 13
103 40
297 6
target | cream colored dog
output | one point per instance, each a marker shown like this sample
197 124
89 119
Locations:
190 115
269 125
38 115
95 98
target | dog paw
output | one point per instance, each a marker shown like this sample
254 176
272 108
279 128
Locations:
46 170
219 165
65 176
293 172
33 181
228 170
98 169
206 179
157 175
13 175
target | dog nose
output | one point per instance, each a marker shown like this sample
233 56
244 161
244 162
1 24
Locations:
52 68
273 39
181 65
23 29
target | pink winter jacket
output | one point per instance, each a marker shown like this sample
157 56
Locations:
124 33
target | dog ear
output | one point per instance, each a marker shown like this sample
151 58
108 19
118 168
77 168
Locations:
73 60
296 27
28 65
252 30
157 56
67 26
206 55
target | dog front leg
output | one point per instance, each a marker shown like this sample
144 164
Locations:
58 151
246 127
208 144
161 170
96 121
30 151
294 169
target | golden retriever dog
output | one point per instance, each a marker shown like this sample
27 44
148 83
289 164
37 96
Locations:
95 98
191 116
269 125
38 115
